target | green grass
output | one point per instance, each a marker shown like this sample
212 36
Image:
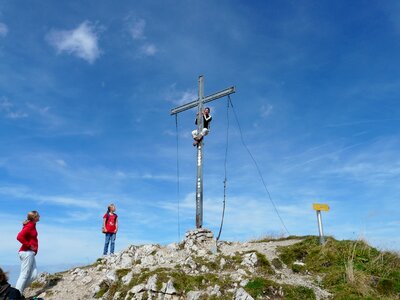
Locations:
263 265
231 262
350 269
261 287
122 272
267 239
201 261
277 263
184 283
36 285
51 280
104 287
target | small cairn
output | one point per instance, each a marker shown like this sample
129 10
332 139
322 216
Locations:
200 240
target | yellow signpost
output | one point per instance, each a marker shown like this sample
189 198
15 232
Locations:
320 207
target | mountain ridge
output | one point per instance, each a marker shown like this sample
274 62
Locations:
200 268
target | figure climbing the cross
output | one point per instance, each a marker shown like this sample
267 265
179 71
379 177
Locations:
198 136
203 126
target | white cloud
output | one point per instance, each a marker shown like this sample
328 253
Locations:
266 110
145 176
245 217
161 177
148 49
40 110
16 115
187 96
180 97
137 30
85 248
137 33
82 41
5 104
23 193
9 111
61 162
3 30
75 243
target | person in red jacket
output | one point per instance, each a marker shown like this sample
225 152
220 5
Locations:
110 228
28 238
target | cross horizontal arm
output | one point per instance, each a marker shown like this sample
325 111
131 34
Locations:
209 98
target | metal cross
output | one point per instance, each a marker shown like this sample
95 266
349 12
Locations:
199 103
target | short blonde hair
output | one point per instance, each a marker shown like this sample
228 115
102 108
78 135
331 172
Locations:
32 215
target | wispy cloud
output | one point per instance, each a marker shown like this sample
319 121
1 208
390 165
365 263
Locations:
179 97
187 96
137 29
266 110
81 42
245 216
61 162
45 115
148 49
375 165
13 110
143 176
325 155
9 110
19 192
3 30
137 32
352 123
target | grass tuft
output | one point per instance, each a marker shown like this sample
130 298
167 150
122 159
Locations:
262 288
350 269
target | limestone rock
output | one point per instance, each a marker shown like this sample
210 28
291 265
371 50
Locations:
168 288
241 294
127 278
194 295
152 283
250 259
164 272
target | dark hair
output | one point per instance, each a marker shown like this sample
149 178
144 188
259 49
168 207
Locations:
3 276
207 108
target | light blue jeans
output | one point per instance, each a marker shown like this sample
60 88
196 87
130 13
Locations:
110 237
28 270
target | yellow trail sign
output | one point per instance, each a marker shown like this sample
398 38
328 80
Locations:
319 206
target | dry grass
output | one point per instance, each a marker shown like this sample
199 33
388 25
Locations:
350 269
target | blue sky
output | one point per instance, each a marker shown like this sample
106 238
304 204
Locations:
86 89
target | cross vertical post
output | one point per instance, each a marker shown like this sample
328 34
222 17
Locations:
200 125
199 178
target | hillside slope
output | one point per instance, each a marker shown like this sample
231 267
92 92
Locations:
197 269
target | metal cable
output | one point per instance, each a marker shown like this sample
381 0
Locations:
225 180
177 174
255 163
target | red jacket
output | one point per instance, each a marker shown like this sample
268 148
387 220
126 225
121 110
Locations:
28 237
111 222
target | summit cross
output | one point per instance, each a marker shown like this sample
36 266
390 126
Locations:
199 102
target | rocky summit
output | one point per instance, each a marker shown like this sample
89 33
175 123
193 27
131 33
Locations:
196 268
